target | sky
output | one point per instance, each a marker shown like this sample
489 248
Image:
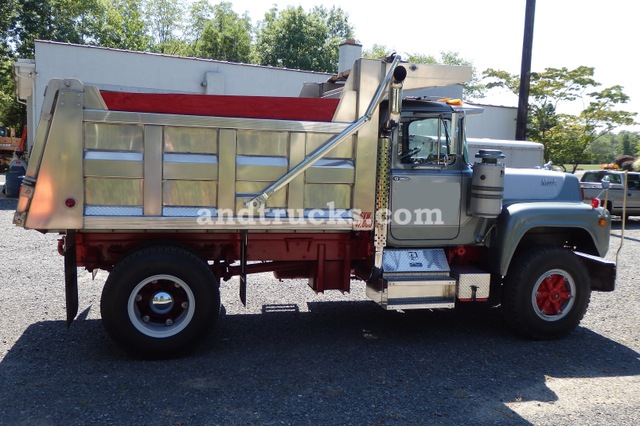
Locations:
489 33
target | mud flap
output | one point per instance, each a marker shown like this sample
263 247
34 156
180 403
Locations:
70 276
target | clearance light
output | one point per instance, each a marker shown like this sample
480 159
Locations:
602 222
70 202
595 203
449 101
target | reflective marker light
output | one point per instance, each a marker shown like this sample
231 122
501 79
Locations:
70 202
449 101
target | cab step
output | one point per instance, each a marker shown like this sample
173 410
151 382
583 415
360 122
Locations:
414 279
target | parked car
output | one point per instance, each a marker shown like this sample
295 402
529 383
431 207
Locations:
591 184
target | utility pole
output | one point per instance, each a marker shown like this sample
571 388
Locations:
525 71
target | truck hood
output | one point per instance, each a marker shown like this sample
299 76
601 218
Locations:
538 184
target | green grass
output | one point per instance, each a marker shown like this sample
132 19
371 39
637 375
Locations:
589 167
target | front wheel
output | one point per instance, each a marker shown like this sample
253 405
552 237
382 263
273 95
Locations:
159 301
546 293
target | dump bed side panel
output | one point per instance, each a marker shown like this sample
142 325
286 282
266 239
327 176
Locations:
203 169
102 169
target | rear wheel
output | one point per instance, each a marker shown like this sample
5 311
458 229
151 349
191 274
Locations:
546 293
159 301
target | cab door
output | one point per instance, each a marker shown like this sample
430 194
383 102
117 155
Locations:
426 182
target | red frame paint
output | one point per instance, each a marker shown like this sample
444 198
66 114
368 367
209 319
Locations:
327 259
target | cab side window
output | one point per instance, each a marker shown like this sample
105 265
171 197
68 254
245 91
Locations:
592 177
613 178
426 141
633 181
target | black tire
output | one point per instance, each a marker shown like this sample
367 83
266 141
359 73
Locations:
159 301
546 293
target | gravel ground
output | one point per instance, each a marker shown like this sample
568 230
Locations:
292 357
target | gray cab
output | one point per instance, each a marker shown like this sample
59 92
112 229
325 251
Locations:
430 177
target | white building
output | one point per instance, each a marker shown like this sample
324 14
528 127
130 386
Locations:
495 122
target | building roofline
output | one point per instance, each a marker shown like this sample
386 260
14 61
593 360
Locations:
480 104
186 58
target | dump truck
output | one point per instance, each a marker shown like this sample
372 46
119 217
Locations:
352 182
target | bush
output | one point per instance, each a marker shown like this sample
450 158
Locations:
625 162
627 165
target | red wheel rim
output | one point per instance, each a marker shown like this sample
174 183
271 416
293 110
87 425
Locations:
553 295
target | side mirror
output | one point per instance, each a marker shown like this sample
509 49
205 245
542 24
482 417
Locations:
605 183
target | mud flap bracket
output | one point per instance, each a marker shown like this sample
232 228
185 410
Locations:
243 266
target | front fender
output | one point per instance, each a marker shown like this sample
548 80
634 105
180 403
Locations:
519 220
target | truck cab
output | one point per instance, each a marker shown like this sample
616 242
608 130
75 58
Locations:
429 176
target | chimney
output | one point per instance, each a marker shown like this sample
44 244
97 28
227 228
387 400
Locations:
348 53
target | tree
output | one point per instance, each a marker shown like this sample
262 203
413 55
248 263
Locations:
122 26
94 22
37 19
80 20
164 21
72 21
8 14
624 162
8 106
633 139
293 38
607 147
337 21
200 13
339 30
603 149
12 114
566 137
378 51
226 36
472 89
627 143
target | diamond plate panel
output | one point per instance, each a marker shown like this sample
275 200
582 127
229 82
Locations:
112 211
470 279
395 261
